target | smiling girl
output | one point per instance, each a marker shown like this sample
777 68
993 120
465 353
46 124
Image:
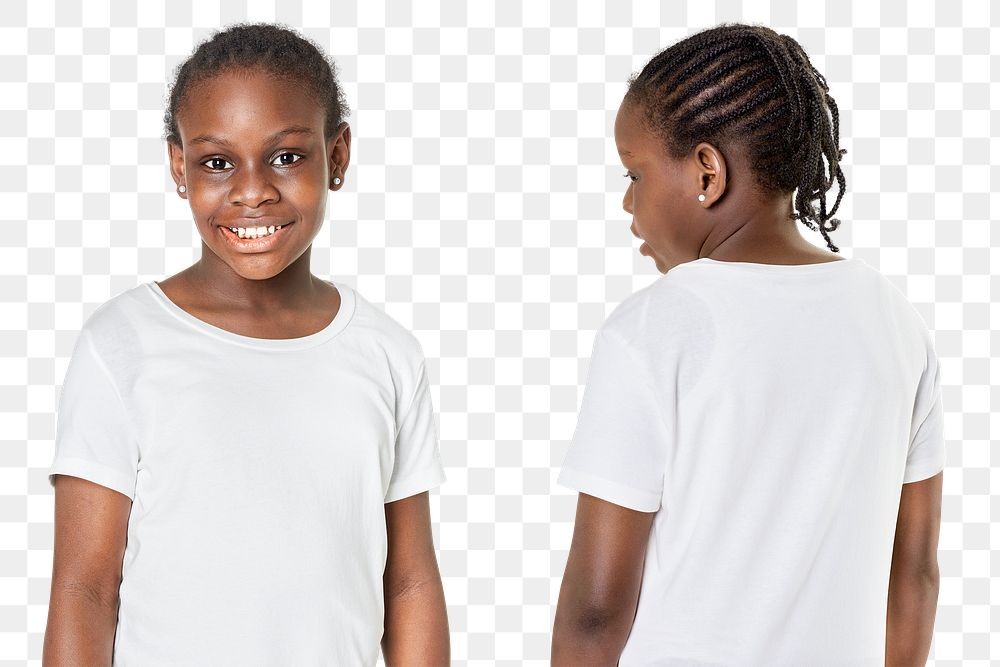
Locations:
244 450
760 446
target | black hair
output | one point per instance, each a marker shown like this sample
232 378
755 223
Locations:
749 88
270 47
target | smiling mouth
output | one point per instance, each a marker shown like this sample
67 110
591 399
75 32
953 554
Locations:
255 231
253 240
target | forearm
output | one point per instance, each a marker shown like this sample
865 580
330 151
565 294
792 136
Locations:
80 629
416 624
912 607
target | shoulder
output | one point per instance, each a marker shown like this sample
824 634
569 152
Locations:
893 302
666 312
372 324
114 334
116 324
668 329
389 350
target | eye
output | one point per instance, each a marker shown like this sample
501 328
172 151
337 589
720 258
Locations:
278 162
630 177
216 163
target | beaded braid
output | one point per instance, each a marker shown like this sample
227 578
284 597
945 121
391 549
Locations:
271 47
748 86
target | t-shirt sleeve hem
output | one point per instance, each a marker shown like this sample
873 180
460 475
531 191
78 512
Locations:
94 472
414 484
917 471
613 492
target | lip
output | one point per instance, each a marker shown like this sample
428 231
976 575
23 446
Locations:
249 245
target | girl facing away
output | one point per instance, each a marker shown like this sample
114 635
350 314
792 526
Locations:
244 450
759 450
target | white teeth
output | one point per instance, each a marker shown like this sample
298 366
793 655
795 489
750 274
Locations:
254 232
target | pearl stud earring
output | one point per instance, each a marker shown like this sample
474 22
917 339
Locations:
182 188
336 181
701 197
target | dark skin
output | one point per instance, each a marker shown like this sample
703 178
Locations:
91 523
735 223
600 587
914 578
237 163
270 294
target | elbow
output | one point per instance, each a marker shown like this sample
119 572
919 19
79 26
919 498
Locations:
591 633
98 595
597 621
925 573
914 588
932 577
412 586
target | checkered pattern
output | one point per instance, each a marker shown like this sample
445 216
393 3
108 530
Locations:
483 210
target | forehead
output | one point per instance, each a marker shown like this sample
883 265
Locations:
631 134
247 103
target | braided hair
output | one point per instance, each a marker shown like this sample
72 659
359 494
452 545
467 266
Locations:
272 48
754 89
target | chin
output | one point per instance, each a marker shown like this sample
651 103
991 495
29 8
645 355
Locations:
663 266
658 263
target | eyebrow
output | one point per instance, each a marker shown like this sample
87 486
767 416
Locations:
624 152
294 129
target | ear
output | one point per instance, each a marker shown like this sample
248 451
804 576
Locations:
175 156
710 168
338 153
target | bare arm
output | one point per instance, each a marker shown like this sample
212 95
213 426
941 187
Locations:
914 579
91 525
416 619
600 588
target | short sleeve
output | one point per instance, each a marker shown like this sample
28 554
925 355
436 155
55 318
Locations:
94 439
926 456
417 462
618 450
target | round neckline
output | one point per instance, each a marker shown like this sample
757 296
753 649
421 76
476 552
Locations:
796 268
335 326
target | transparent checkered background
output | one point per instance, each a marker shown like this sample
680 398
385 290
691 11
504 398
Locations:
483 210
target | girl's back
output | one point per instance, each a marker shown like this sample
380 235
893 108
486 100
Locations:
766 413
751 418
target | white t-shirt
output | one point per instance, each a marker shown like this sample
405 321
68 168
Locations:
258 471
769 415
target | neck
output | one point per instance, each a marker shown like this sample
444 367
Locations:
764 230
293 287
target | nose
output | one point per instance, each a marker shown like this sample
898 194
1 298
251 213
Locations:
627 200
251 187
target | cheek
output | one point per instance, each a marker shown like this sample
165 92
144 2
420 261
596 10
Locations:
207 201
307 196
652 209
204 189
304 182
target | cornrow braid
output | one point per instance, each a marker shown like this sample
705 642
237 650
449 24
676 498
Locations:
270 47
747 86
